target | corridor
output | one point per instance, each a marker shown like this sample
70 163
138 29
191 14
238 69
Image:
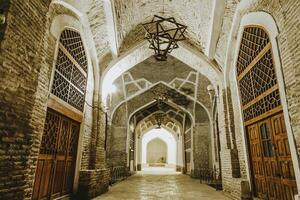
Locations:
150 187
172 91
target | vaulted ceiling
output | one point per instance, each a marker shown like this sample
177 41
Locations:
175 77
132 13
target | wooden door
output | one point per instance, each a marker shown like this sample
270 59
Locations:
258 172
269 157
283 156
272 166
57 159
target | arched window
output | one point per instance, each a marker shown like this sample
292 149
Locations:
270 157
256 74
70 77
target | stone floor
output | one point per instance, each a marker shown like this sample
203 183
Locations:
150 187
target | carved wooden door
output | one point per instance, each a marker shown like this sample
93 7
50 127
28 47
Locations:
257 161
283 158
57 159
269 157
271 161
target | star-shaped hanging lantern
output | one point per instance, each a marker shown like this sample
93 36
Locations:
163 35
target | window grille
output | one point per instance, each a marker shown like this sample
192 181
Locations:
256 74
70 77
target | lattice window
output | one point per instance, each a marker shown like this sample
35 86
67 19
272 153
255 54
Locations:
60 87
76 98
64 65
263 74
256 74
254 39
71 40
70 78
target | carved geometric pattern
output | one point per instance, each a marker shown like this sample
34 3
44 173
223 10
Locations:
76 99
78 79
254 39
71 40
263 74
258 80
64 64
60 87
73 139
246 89
69 83
51 129
60 135
269 102
63 138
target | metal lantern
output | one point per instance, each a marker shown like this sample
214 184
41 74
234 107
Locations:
163 35
159 117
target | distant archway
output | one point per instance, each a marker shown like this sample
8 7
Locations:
165 137
157 152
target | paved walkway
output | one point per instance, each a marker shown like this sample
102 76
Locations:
161 187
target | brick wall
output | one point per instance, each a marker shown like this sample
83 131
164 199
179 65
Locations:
25 72
27 55
92 183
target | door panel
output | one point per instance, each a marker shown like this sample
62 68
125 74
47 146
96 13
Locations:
271 162
289 187
256 160
56 164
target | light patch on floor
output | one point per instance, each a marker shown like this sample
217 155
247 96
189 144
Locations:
161 187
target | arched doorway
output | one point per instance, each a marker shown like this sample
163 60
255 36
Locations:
55 171
270 157
159 151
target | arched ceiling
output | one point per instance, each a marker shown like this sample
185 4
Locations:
181 81
140 111
131 14
150 122
165 108
146 118
133 104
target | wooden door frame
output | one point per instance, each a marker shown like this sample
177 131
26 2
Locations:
252 176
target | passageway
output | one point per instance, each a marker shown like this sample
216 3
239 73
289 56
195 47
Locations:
178 186
149 99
